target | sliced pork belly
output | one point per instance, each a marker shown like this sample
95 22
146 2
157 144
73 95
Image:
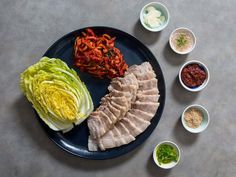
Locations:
117 103
154 91
121 101
123 84
96 126
147 76
107 111
123 109
117 86
101 115
127 95
107 141
141 75
149 107
144 115
114 110
142 72
135 124
125 131
147 98
135 121
133 101
117 93
116 137
129 79
99 122
92 144
147 84
133 129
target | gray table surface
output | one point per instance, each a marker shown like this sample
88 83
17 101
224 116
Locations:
28 28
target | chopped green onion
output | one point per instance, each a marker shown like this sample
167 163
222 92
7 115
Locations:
181 40
166 153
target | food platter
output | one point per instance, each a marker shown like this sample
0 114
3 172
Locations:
76 140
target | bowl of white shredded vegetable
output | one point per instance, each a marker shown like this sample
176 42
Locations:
154 16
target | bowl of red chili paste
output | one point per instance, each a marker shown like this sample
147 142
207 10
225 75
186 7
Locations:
194 76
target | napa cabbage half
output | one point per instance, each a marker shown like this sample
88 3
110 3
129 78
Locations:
58 95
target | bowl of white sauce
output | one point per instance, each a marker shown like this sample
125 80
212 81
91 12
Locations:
154 16
182 40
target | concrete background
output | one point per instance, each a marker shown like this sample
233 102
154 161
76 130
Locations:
28 28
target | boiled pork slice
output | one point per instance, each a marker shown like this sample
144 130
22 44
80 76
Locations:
135 121
138 124
117 103
92 144
149 107
146 98
147 84
142 72
145 116
149 92
116 137
144 104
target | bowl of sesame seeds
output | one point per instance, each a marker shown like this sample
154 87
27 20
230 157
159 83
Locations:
195 118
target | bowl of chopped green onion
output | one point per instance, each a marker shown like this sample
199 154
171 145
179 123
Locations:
182 40
166 154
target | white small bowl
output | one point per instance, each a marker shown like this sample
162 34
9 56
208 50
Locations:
201 87
185 30
164 11
205 119
169 165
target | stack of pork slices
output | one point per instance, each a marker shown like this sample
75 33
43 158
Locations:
126 111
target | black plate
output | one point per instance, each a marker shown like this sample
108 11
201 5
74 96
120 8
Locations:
76 141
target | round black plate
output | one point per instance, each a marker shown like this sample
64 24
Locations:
76 141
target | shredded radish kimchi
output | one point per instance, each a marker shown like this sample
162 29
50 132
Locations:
98 55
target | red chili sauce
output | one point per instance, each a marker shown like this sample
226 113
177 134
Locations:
193 75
